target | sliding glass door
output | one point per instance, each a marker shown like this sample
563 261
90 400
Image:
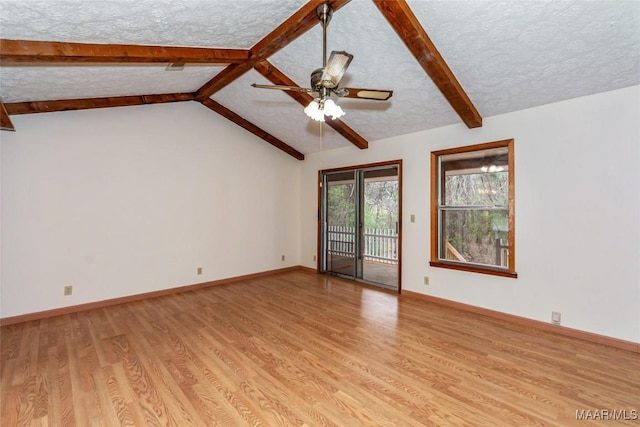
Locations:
360 223
340 223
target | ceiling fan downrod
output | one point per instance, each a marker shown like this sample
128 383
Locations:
324 13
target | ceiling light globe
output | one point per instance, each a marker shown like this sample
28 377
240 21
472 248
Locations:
313 111
332 109
318 116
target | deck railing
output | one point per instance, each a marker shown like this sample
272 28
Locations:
502 252
380 244
452 253
501 249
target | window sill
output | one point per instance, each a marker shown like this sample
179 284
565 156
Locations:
474 269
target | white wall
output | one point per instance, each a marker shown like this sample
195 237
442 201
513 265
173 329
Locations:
577 166
130 200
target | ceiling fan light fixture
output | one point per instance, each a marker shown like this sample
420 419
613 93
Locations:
332 109
325 80
313 110
321 107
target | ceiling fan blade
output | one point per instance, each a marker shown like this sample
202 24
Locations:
335 68
283 87
375 94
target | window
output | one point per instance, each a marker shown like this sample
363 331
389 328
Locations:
472 208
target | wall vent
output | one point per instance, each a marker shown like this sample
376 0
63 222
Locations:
176 66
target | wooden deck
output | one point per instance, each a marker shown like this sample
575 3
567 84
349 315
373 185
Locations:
376 272
383 273
300 349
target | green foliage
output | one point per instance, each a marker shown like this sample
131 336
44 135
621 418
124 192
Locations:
380 207
341 205
474 232
381 204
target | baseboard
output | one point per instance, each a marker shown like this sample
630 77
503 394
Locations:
308 269
137 297
535 324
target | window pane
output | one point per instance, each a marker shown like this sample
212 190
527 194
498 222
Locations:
478 189
478 236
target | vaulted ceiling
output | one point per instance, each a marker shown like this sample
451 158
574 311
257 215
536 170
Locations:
448 62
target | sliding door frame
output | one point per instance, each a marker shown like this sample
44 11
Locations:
320 215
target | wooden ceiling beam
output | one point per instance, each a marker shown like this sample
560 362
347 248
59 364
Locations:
296 25
5 120
299 23
221 80
230 115
275 76
407 26
89 103
25 52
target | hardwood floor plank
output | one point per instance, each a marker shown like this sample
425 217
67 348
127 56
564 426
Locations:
65 398
11 396
41 404
299 349
77 378
152 386
292 394
208 378
112 389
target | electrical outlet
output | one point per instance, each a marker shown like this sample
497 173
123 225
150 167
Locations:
199 271
68 290
314 257
426 280
413 217
555 317
282 257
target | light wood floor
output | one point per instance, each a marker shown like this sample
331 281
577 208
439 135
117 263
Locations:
303 349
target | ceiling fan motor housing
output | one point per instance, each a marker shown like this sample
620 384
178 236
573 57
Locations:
316 79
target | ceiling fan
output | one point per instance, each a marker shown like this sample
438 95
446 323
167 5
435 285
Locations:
325 80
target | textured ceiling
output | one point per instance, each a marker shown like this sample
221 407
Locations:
204 23
506 55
